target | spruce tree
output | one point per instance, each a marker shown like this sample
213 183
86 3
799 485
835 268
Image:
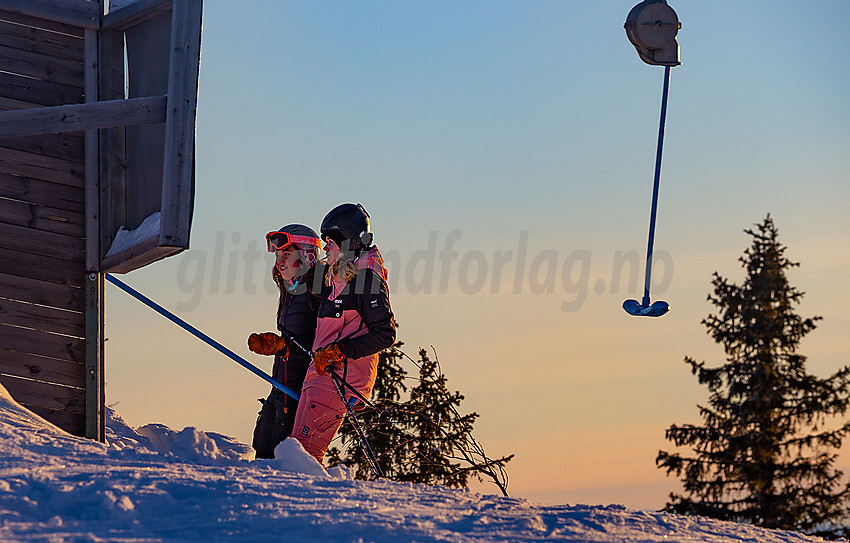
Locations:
423 439
764 453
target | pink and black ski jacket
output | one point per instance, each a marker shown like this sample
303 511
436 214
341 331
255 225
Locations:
357 315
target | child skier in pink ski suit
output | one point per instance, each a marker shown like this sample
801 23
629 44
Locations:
355 323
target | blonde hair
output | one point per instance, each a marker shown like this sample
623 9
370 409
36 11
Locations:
343 268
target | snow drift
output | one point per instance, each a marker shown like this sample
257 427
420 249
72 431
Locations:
157 484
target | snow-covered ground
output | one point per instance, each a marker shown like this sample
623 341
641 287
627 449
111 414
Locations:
157 484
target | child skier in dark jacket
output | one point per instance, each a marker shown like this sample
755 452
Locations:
296 250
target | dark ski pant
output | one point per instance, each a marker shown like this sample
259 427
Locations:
277 416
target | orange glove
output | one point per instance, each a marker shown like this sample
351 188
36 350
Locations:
267 343
326 357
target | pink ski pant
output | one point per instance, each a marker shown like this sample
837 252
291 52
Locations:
319 416
320 409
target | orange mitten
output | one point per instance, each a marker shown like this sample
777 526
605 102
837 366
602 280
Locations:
267 343
326 357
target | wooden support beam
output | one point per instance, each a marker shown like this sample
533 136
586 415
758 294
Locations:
80 13
135 13
94 316
92 157
178 171
71 118
113 142
95 383
139 255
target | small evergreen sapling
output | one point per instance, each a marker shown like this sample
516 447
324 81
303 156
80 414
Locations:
422 439
441 431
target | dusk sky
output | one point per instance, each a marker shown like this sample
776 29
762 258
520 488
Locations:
505 152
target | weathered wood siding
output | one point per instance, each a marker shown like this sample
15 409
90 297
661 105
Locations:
42 224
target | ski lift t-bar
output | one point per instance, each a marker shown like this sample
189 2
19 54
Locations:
202 336
652 26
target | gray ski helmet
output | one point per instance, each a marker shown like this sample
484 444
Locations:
303 236
348 222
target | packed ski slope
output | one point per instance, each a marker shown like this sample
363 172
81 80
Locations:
157 484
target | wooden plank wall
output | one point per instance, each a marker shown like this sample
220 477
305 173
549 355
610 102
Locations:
42 225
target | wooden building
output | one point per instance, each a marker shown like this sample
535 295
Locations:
84 154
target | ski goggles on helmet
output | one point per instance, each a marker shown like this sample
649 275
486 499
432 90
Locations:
275 241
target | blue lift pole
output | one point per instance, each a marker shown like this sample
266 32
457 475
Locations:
655 184
659 308
202 336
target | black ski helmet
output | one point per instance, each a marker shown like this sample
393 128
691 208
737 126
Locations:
348 223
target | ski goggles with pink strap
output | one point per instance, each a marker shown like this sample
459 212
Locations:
278 240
